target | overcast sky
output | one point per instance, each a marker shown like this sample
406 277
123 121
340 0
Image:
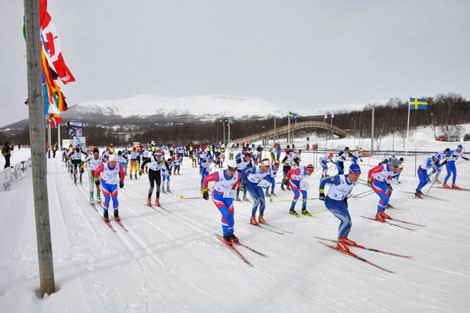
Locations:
300 54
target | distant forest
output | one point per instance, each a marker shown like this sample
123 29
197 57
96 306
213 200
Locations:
443 113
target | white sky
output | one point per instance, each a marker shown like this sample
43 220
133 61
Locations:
300 54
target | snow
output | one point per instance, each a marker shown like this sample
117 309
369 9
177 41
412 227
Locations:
144 105
172 262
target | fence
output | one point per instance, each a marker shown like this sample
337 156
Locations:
13 174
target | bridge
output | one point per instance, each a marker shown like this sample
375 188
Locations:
283 130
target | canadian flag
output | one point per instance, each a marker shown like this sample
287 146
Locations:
50 37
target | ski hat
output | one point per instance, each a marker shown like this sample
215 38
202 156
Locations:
232 164
113 157
354 169
310 167
395 163
460 147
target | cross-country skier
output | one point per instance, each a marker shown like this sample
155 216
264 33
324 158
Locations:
177 164
429 164
453 156
255 179
134 163
225 185
76 158
340 158
244 160
111 173
166 175
94 160
298 185
379 179
157 162
337 202
273 174
324 160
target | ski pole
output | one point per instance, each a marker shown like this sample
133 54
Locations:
181 197
434 180
289 200
363 195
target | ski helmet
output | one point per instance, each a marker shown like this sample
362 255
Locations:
395 163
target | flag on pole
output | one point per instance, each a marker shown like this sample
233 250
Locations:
418 103
293 116
50 39
231 121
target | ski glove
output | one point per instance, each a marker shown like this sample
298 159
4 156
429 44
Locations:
121 184
140 172
97 182
322 196
285 181
389 187
205 194
369 182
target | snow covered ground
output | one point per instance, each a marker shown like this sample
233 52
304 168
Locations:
172 262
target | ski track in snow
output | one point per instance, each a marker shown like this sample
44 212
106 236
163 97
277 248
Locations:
171 261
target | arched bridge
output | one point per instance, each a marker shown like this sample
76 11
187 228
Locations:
280 131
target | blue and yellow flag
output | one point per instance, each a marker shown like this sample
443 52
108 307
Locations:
418 103
293 116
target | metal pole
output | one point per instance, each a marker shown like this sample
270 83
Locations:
223 130
37 136
331 126
405 144
288 129
326 133
58 137
372 131
228 136
275 135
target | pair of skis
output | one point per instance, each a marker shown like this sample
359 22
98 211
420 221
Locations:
387 221
117 222
238 253
360 258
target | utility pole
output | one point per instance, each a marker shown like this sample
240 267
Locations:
37 137
372 131
223 128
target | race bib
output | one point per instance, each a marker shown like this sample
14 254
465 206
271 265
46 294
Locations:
304 185
264 184
230 193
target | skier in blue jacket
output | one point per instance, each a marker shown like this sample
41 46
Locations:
337 202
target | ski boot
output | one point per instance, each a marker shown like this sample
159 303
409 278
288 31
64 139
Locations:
234 238
149 201
116 215
381 216
272 193
228 240
418 195
92 201
168 188
445 185
267 193
130 175
245 198
157 202
347 241
253 221
292 211
106 216
135 176
454 186
305 212
98 199
341 246
282 187
261 219
163 189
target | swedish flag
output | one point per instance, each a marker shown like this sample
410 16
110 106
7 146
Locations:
418 103
293 116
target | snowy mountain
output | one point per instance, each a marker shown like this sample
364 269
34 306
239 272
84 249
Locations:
205 107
